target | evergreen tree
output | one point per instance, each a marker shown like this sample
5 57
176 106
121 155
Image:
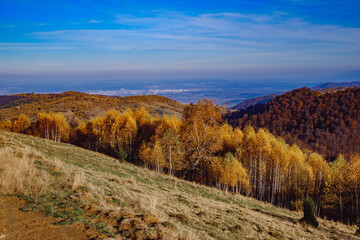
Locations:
309 212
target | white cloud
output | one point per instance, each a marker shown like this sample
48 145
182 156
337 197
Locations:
229 39
35 46
220 30
95 21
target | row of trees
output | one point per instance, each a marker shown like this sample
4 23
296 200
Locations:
202 148
51 126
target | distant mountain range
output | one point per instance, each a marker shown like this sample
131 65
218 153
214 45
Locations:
337 85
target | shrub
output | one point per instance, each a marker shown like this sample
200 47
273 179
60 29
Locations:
121 154
358 225
309 212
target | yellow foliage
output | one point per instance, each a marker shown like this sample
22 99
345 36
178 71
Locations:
52 126
21 124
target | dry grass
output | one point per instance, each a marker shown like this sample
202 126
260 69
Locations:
61 189
19 174
78 180
195 211
25 171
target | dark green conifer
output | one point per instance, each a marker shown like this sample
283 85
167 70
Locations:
309 212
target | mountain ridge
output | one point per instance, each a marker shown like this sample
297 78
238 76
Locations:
336 85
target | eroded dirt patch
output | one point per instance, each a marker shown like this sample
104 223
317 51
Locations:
16 224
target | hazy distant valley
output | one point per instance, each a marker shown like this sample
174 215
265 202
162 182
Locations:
228 93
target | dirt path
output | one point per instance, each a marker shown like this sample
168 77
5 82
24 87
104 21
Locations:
18 225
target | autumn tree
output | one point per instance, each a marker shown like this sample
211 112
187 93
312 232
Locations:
6 124
277 167
321 172
21 124
145 131
109 140
173 151
335 189
199 130
95 128
80 136
152 156
354 182
123 132
52 126
87 135
233 174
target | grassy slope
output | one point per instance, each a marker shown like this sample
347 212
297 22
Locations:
197 212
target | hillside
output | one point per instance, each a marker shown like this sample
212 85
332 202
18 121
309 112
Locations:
328 123
105 197
83 106
253 101
6 99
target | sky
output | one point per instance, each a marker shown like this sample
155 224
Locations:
184 39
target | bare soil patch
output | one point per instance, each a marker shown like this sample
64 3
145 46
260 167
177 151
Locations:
16 224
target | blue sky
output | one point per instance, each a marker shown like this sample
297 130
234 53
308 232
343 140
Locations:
182 39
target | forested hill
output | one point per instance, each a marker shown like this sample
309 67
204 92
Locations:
327 123
7 99
82 105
